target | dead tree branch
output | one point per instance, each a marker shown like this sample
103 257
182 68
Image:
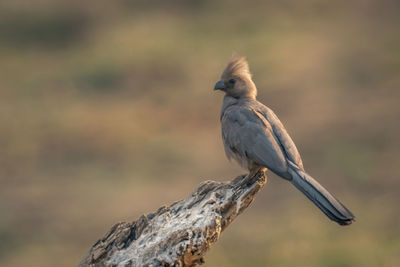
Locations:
178 235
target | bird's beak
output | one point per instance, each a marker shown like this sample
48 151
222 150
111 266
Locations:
220 85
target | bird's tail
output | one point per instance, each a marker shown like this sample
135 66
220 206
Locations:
326 202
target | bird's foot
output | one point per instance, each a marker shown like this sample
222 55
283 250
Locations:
252 176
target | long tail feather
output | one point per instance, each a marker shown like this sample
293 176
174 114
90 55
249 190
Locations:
325 201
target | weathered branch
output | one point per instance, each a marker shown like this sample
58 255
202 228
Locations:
178 235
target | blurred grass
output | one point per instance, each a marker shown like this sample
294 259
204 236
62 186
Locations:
107 112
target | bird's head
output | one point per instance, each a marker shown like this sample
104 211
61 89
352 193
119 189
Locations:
236 79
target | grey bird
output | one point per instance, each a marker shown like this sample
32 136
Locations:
254 136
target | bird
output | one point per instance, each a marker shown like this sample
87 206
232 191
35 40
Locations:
254 136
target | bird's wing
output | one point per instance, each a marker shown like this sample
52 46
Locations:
285 141
247 132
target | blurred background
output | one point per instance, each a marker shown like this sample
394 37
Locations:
107 112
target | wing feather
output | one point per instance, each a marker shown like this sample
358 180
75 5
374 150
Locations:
246 133
284 138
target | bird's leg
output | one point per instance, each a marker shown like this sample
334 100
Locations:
252 173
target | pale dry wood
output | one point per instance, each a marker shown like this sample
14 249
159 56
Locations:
178 235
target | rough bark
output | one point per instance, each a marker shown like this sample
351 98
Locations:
178 235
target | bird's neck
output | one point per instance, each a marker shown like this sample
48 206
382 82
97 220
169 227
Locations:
227 102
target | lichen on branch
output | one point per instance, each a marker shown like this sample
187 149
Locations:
180 234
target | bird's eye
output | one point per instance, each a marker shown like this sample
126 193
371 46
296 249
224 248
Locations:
232 81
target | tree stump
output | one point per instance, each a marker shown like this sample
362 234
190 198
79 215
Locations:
178 235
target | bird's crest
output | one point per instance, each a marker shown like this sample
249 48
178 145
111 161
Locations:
237 67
